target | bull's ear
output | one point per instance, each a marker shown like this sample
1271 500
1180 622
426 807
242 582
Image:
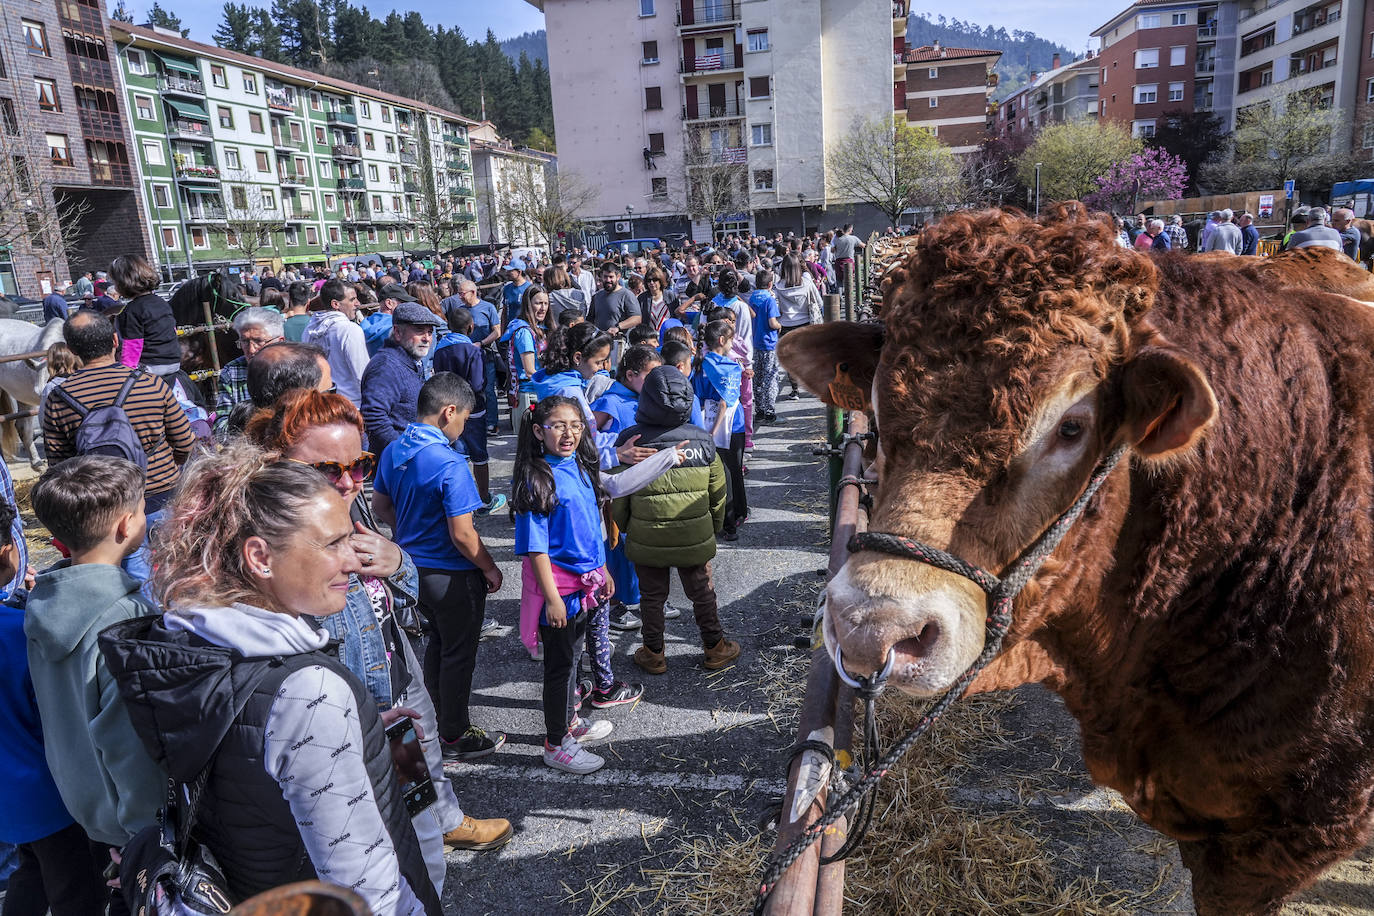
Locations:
835 361
1168 403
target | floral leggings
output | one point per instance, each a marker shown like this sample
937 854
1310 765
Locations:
765 382
599 645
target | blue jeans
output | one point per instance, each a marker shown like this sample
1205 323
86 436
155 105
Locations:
493 417
139 564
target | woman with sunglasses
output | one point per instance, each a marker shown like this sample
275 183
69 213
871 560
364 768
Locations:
325 431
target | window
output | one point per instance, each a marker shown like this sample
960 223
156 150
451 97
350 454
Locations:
170 242
369 140
226 117
1146 95
396 202
390 143
1369 90
758 87
314 101
1147 58
291 237
364 108
307 202
653 98
58 150
198 237
329 201
255 122
659 187
1369 136
1104 76
137 65
1178 56
934 102
152 152
392 175
1147 21
10 118
162 196
231 158
1175 92
218 77
386 114
47 95
390 235
377 202
239 198
758 40
761 134
320 136
763 180
1178 19
372 173
144 105
1143 128
250 84
648 53
312 235
260 160
269 199
326 169
646 7
302 168
36 38
295 131
656 143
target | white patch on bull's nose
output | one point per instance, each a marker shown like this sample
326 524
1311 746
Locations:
936 633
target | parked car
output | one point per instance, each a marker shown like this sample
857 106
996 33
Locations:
629 246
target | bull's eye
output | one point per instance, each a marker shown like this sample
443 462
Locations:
1070 430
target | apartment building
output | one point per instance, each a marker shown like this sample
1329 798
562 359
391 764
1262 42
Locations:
65 146
1161 56
1362 122
1295 46
509 179
244 161
1066 92
687 113
949 93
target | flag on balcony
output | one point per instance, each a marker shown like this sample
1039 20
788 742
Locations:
734 155
709 61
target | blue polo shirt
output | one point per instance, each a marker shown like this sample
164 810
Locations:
765 306
571 534
620 403
428 483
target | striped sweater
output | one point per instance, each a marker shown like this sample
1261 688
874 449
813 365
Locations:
153 410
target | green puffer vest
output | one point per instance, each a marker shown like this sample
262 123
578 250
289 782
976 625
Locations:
674 520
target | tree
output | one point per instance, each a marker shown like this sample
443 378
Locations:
537 139
163 19
535 202
121 13
1193 136
717 180
1284 136
1073 155
250 224
1151 174
895 167
989 173
34 216
235 32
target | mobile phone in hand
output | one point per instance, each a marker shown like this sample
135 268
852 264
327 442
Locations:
417 786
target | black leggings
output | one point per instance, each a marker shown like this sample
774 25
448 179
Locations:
453 603
58 872
560 675
737 505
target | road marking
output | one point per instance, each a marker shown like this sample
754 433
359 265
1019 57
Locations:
621 779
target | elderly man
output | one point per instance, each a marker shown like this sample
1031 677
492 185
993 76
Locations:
1208 228
1249 235
1317 234
1154 231
1343 221
1178 236
256 328
391 382
1225 235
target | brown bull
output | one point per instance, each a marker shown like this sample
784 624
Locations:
1207 620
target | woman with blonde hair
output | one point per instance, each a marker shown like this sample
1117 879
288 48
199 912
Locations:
235 692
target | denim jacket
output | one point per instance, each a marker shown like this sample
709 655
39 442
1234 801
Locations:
359 634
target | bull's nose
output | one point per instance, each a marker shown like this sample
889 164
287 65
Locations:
887 633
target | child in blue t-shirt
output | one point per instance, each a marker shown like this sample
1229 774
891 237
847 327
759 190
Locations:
557 496
425 491
766 327
717 384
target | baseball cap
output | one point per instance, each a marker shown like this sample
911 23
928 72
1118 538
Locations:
395 291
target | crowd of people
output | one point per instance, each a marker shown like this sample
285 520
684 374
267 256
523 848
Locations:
1236 233
260 588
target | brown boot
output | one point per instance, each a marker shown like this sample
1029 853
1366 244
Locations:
479 834
721 654
651 661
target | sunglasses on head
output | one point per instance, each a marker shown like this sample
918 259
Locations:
360 469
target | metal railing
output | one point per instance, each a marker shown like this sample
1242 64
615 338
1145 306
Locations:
341 116
346 151
706 13
171 82
730 108
206 213
709 61
186 129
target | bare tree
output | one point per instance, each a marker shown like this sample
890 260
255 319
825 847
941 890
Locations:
250 223
35 217
436 218
540 203
895 167
717 180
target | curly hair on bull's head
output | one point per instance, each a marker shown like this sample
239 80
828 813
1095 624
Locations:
984 302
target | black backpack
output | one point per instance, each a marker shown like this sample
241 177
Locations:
108 430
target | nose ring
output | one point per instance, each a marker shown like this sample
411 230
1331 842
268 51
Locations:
864 683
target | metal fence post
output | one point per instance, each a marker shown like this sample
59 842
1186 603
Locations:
834 420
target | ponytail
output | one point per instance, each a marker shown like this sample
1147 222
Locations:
566 343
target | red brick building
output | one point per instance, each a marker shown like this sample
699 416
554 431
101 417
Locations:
948 92
1362 120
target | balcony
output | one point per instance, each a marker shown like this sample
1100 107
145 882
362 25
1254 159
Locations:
279 100
728 155
409 159
186 129
346 151
342 116
410 187
360 214
1302 66
405 127
292 215
290 178
1299 27
730 108
460 190
206 213
177 84
284 144
352 184
455 140
1206 32
709 62
708 15
898 18
191 173
116 174
1206 65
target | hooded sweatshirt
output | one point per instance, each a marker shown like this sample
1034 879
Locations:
109 783
344 346
797 304
518 343
428 483
673 521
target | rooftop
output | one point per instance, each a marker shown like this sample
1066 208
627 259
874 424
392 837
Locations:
938 52
1131 9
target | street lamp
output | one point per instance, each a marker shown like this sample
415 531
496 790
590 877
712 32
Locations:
1037 189
801 205
630 219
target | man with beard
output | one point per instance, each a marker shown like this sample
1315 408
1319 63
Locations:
391 383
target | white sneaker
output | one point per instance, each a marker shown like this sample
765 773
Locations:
572 757
587 731
538 653
670 612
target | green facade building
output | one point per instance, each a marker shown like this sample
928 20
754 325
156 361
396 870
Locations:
245 162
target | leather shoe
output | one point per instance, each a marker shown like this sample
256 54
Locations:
721 654
651 661
479 834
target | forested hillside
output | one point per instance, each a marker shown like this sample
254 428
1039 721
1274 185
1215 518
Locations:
1023 53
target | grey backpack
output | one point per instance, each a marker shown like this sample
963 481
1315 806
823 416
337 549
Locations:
107 430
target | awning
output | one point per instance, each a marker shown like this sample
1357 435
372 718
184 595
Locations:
304 259
177 63
198 189
189 109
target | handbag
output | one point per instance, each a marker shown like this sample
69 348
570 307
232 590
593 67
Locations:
164 871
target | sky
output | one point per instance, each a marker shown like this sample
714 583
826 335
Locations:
1067 22
507 18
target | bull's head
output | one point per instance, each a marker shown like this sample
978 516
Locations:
1013 356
